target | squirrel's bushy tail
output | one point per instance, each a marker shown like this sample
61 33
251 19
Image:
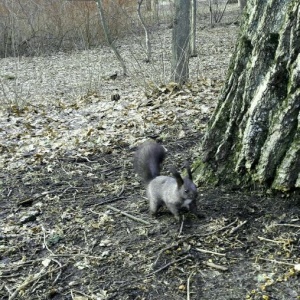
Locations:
148 159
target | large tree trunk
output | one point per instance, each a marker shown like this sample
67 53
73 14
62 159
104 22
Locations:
254 134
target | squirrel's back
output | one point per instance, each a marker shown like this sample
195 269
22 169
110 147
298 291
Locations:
148 159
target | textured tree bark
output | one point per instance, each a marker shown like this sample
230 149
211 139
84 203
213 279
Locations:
254 134
180 42
149 5
242 4
193 51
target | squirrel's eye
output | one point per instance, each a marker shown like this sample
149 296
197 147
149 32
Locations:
186 191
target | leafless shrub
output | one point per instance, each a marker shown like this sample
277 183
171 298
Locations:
35 27
211 12
216 10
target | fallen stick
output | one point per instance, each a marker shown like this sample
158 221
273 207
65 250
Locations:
212 265
289 225
128 215
220 229
271 241
188 287
210 252
111 200
168 264
30 279
277 261
233 230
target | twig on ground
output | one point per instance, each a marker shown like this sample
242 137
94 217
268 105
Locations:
233 230
45 243
272 241
81 293
131 281
37 196
181 227
111 200
220 229
30 279
188 286
289 225
58 275
168 264
276 261
213 265
83 158
128 215
210 252
52 254
9 292
165 249
122 190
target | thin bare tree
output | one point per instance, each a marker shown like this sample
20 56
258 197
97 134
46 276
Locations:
147 35
193 28
108 36
181 42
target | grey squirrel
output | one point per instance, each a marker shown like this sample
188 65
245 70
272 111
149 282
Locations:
174 192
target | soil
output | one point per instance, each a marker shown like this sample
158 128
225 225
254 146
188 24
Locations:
67 242
77 226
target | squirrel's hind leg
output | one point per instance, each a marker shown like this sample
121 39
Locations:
154 205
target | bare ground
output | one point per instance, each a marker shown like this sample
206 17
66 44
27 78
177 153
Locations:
61 237
60 240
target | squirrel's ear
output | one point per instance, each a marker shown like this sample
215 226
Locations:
188 170
177 176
